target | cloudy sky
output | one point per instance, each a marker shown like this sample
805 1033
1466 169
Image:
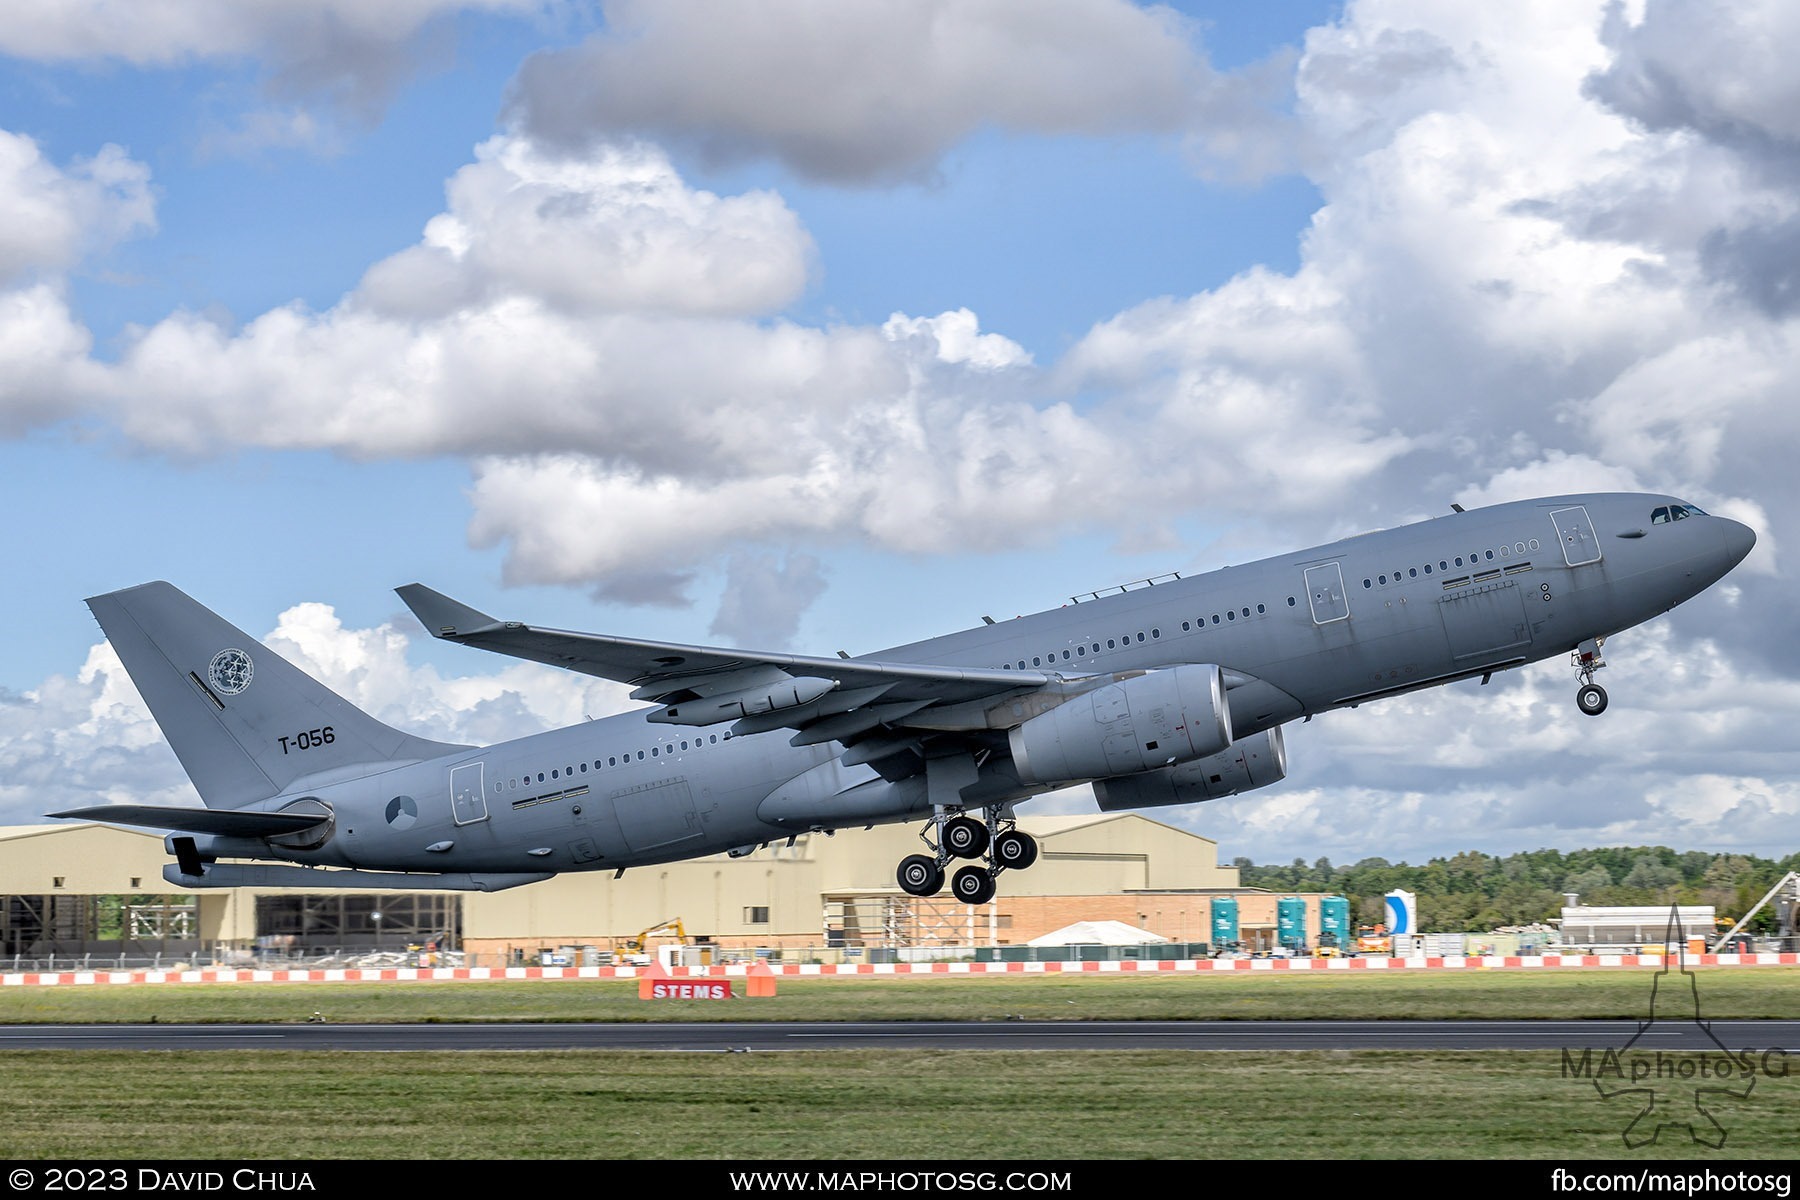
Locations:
818 326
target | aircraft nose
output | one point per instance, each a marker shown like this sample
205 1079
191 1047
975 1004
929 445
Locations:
1738 538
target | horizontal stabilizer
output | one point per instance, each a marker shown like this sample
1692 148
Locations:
224 822
262 875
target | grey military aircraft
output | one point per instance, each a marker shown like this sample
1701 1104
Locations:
1166 692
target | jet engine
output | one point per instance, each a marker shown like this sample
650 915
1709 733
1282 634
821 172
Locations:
1253 762
1157 719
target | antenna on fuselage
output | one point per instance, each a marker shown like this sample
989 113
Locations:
1455 507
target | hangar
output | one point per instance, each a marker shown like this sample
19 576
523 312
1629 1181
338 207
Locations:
73 889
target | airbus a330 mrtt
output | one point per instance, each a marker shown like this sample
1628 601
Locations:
1171 692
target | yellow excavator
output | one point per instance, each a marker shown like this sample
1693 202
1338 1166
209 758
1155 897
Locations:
639 946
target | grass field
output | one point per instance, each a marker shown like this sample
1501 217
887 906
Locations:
863 1105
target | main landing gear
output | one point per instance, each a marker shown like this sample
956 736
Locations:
996 840
1590 698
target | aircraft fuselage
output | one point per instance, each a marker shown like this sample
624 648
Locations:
1334 626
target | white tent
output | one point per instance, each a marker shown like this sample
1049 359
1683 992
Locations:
1098 933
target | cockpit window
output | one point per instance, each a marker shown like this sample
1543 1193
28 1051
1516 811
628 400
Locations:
1674 512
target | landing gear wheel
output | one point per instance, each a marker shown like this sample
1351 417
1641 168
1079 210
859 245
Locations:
920 875
1016 850
1591 699
972 885
965 837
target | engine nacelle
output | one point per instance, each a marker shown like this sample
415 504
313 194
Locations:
1253 762
1174 715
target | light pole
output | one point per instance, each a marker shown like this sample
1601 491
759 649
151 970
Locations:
376 917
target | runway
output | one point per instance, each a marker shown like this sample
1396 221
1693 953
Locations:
1761 1037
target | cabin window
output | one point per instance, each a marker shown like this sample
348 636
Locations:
1140 635
1290 602
1230 615
684 745
1383 579
1184 627
1109 644
1459 560
1081 651
1156 633
540 777
640 756
1428 568
1215 618
653 752
1260 610
612 761
1412 572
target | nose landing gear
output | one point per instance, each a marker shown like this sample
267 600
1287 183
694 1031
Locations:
1590 698
997 841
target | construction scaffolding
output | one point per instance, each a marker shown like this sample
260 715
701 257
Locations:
908 926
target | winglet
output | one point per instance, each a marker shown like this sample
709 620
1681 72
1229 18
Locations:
442 616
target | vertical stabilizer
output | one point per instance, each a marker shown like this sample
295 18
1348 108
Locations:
244 721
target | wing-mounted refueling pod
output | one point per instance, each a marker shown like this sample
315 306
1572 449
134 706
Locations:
731 695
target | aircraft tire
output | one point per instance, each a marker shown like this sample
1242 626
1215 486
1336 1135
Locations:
1015 850
973 885
919 875
965 837
1591 699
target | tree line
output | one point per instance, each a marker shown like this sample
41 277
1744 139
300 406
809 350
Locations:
1476 891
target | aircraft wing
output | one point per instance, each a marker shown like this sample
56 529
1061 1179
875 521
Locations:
825 699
